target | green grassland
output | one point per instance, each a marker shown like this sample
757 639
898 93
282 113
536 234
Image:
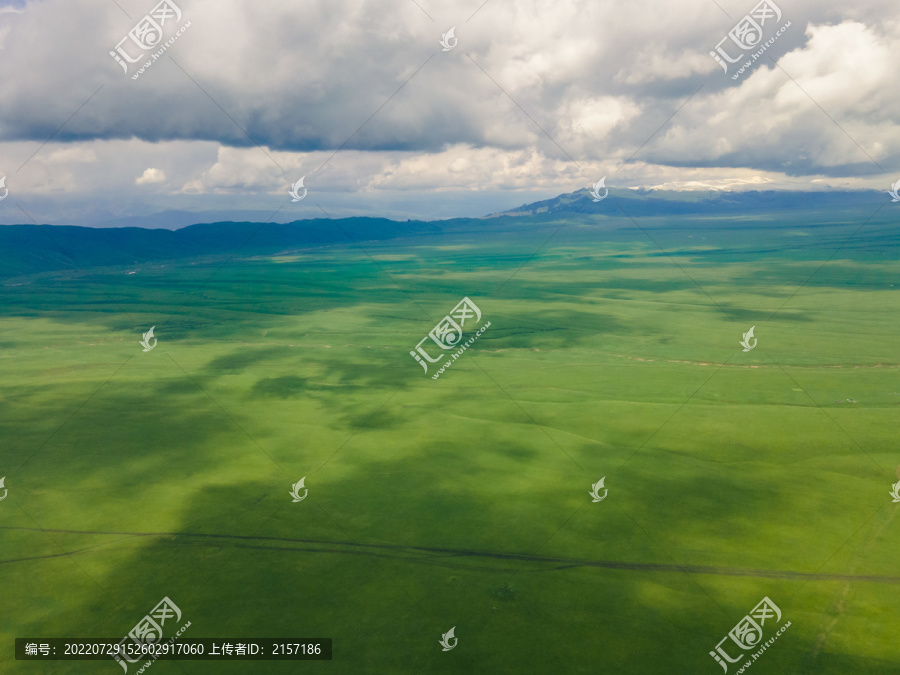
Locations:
463 501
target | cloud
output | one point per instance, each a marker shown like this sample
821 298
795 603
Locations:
825 107
75 154
151 176
357 95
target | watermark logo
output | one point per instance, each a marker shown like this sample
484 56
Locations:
3 486
4 188
748 633
149 630
449 40
447 334
595 490
145 343
295 490
747 34
595 190
446 640
295 195
745 343
148 34
895 197
895 491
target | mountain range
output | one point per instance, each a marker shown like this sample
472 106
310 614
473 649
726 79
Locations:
28 249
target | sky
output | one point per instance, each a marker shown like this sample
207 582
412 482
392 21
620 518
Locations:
528 99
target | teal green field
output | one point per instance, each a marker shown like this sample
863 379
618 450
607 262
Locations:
464 501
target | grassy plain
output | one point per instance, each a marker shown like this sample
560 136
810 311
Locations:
464 501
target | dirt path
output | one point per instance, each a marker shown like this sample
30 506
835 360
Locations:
430 553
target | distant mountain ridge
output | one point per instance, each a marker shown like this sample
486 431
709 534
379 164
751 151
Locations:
29 249
26 249
671 202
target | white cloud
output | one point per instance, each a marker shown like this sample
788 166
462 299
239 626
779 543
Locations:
151 176
601 78
74 154
822 109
